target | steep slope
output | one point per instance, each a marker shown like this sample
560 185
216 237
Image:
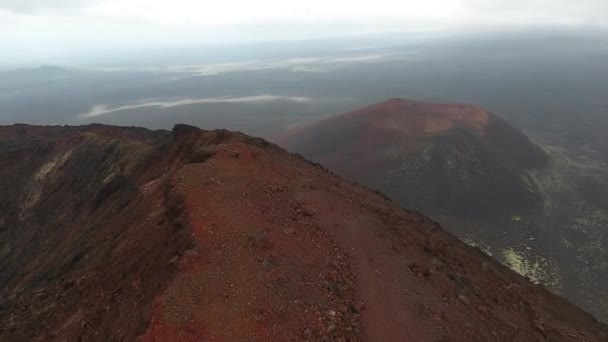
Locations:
483 180
88 227
219 236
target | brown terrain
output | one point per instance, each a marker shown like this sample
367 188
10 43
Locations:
369 134
527 205
451 159
123 234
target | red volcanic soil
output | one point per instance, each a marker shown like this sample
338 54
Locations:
365 140
286 251
277 248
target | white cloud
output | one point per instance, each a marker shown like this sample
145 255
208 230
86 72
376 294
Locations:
242 11
554 11
41 6
101 109
247 11
311 64
43 27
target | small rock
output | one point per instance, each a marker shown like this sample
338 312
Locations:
438 316
174 259
419 270
201 154
541 329
259 240
213 180
308 210
270 262
331 314
464 299
234 154
191 253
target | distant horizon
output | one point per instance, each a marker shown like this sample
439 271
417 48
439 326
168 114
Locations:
40 31
106 56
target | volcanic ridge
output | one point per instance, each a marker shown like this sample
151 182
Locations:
126 234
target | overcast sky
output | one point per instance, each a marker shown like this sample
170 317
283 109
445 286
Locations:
37 28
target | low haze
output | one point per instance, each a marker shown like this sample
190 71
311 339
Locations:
32 31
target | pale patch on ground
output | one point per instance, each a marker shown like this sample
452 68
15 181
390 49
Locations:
474 117
306 64
516 218
538 270
477 117
434 124
52 165
110 177
484 248
551 183
31 198
34 190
